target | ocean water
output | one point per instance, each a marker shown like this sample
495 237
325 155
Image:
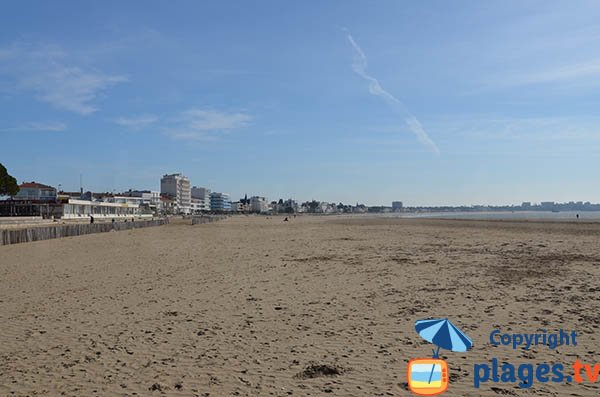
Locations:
423 373
507 215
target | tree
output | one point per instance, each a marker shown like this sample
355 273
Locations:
8 184
313 205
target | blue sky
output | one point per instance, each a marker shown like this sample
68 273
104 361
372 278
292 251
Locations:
428 102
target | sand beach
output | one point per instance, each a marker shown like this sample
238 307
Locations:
254 306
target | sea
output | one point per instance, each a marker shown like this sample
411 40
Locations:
505 215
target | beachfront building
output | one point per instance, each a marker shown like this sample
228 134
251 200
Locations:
177 186
243 205
197 206
82 209
220 202
123 200
36 199
200 199
237 206
33 199
167 206
194 206
149 197
259 204
397 206
36 191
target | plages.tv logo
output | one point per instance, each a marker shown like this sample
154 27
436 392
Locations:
429 376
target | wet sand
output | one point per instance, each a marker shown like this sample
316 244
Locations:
257 306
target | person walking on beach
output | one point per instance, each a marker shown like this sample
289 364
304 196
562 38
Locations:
91 219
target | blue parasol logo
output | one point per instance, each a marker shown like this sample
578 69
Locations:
442 333
445 335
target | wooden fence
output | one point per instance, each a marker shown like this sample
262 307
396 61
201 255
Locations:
15 236
198 219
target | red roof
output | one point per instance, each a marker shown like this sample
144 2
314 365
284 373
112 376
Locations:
34 185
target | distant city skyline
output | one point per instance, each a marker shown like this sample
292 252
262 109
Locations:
205 191
429 103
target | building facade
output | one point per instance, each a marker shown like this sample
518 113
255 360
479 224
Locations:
177 186
220 202
148 200
197 206
167 206
200 199
82 209
397 205
148 197
32 199
259 204
237 206
36 191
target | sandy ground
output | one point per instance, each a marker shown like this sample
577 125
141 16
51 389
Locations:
245 305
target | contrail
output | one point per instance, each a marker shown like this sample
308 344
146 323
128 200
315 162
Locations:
359 65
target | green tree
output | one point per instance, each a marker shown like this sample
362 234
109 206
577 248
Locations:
8 184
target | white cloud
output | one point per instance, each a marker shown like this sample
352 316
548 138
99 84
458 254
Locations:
42 126
137 122
200 124
519 130
47 73
565 73
209 120
360 67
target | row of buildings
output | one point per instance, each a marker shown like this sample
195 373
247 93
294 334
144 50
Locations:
176 196
183 198
37 199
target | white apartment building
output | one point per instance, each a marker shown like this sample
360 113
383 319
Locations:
259 204
149 197
36 191
177 186
200 199
196 206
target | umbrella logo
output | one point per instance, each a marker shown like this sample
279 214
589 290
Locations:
429 376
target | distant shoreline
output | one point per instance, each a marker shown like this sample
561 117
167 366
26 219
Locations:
504 215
